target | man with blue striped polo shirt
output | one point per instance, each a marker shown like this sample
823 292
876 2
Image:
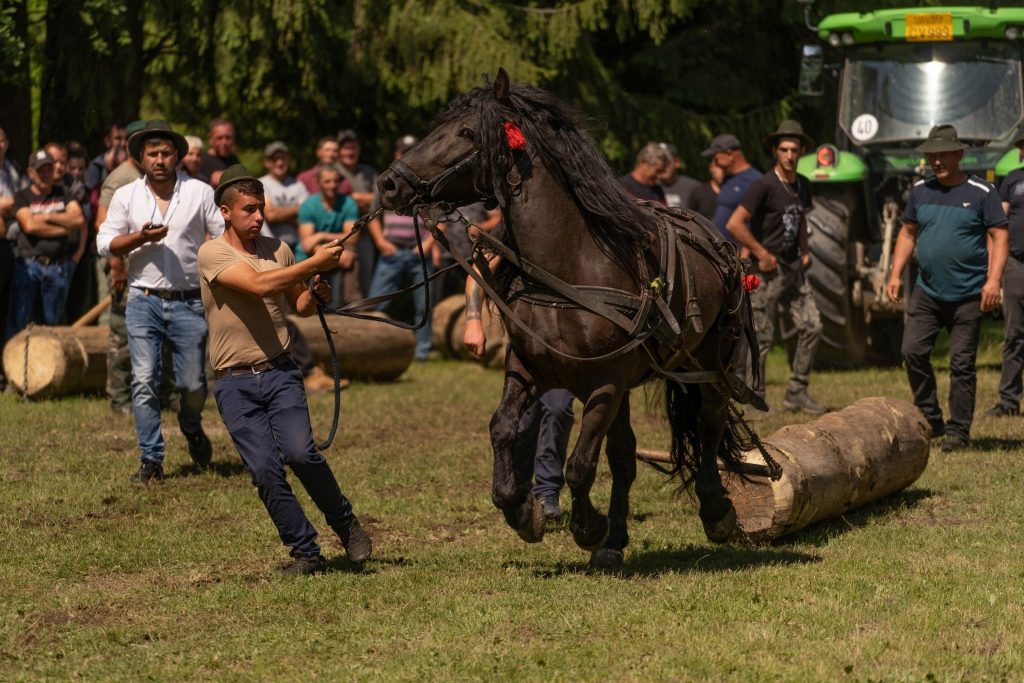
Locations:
957 225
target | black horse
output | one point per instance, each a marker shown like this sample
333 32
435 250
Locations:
567 216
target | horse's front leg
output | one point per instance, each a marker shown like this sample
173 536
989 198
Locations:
589 527
621 450
513 467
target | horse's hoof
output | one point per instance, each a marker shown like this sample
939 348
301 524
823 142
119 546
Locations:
594 537
533 530
726 529
606 559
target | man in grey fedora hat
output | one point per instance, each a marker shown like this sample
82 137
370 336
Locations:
1011 191
161 219
956 225
771 223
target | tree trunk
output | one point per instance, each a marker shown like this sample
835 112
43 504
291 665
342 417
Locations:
831 465
61 361
449 322
366 349
842 460
16 100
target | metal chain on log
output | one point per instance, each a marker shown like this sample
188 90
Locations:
24 385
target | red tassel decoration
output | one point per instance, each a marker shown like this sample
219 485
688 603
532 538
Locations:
516 139
751 282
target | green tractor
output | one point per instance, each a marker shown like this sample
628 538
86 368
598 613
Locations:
898 72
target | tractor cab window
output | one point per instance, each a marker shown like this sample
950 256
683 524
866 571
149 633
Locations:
897 92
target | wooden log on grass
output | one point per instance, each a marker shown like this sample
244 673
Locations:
366 349
61 361
830 465
449 326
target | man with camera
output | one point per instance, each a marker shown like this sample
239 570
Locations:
162 219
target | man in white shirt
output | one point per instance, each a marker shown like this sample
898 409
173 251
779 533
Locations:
162 219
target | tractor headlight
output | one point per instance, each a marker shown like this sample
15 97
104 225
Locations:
834 40
847 39
1012 33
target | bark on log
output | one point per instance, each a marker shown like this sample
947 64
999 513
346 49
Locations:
831 465
449 326
61 360
366 349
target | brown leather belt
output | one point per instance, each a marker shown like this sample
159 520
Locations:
171 295
252 369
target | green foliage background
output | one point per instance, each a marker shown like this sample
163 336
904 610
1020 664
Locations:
674 70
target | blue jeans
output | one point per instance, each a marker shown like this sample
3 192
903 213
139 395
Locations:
50 283
150 320
391 272
267 417
542 439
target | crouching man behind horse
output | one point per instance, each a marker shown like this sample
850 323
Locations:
245 278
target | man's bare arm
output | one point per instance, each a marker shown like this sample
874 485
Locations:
37 225
904 249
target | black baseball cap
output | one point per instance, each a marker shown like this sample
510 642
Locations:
347 135
726 142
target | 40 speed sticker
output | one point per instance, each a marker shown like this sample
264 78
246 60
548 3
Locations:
864 127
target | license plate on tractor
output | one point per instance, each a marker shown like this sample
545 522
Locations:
928 27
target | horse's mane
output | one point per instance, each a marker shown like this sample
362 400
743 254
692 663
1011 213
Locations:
558 135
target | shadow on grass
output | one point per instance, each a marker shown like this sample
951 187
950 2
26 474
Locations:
992 443
690 558
218 468
821 533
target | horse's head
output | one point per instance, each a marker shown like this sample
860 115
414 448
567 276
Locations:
453 162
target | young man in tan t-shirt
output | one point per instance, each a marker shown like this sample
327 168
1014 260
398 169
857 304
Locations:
245 280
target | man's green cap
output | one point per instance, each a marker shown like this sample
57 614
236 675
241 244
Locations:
134 127
788 129
941 138
151 129
230 176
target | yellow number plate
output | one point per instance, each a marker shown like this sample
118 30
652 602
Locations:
925 27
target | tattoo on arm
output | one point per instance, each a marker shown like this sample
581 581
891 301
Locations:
474 302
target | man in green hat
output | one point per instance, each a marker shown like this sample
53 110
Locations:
956 224
160 220
771 223
246 280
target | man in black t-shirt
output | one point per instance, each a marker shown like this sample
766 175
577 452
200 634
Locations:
771 223
642 182
52 239
1011 191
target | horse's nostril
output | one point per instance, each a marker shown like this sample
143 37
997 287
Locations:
389 185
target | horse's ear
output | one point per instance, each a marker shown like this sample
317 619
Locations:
501 85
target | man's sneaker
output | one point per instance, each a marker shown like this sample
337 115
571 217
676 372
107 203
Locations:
802 401
938 428
1000 410
306 565
147 472
200 448
552 511
358 545
953 443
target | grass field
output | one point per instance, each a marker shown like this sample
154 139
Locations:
101 580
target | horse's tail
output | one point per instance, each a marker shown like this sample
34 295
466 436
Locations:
682 403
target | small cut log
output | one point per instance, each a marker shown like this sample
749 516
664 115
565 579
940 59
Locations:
366 349
61 361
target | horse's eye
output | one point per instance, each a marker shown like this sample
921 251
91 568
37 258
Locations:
467 134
